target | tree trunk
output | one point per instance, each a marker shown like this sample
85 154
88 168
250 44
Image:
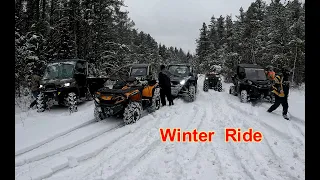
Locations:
52 7
43 10
37 10
294 63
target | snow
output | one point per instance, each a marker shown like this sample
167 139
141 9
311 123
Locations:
38 129
103 150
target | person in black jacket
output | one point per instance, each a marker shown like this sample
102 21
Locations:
281 91
165 86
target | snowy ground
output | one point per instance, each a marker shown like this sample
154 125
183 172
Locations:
56 145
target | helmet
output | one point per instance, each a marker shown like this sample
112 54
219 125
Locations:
269 68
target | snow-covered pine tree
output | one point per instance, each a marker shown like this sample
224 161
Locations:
203 47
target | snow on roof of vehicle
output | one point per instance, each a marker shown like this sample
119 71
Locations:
250 66
179 64
66 61
140 65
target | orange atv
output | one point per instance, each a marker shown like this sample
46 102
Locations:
127 102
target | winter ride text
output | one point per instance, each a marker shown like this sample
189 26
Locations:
231 134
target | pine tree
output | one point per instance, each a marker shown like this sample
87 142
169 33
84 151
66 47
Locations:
203 46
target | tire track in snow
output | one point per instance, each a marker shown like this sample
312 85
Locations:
52 138
69 151
294 120
117 148
235 146
48 151
57 153
170 148
225 120
220 117
266 126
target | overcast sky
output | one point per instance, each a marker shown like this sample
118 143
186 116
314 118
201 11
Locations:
178 22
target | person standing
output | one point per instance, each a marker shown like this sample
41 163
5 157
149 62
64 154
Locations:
165 86
35 83
281 91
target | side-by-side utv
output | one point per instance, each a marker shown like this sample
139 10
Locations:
250 82
67 83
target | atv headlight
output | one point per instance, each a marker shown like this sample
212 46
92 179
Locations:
219 78
66 84
206 77
182 82
40 86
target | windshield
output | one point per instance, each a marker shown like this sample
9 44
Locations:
59 71
142 71
179 70
255 74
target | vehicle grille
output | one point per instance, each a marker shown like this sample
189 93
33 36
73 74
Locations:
175 83
50 87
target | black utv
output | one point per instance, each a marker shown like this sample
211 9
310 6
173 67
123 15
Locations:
213 81
66 83
144 73
183 81
250 82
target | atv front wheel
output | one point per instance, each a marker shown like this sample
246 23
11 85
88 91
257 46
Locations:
41 103
132 113
232 91
244 96
98 116
191 94
155 104
219 87
205 86
72 102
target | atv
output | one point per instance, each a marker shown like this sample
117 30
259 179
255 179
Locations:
66 83
128 101
250 83
183 81
212 81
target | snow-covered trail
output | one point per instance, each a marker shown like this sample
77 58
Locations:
136 151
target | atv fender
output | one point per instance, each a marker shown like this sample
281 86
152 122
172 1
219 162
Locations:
148 91
134 95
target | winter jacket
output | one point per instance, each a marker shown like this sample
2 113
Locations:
35 82
281 86
164 79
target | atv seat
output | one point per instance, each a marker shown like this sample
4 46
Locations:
119 91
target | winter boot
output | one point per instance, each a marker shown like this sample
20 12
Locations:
286 117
